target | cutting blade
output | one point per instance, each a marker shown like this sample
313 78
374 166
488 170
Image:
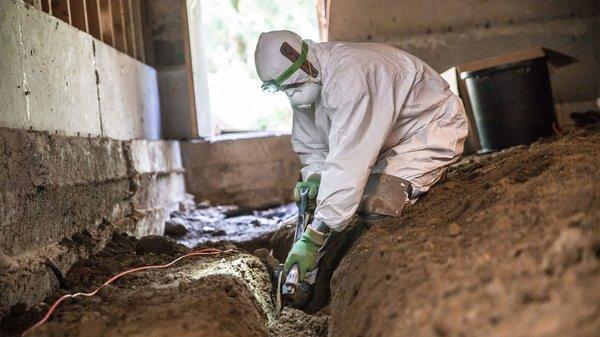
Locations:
278 299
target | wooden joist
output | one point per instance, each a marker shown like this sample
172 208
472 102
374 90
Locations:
79 14
93 18
61 9
115 22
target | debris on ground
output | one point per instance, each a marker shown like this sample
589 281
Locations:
217 225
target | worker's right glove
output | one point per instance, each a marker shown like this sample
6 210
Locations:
312 183
304 252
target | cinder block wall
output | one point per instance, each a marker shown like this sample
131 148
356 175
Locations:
448 32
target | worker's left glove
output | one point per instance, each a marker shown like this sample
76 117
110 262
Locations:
304 252
312 183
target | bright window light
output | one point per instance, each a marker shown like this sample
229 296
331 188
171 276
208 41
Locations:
232 30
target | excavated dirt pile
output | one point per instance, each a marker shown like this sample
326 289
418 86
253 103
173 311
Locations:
507 245
227 295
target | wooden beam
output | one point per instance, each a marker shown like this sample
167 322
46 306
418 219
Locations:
47 6
323 15
119 34
106 22
92 9
137 33
127 29
148 36
61 10
79 14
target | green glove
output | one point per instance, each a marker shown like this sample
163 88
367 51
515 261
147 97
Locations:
312 183
305 251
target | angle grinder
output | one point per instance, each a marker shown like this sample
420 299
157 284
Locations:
290 290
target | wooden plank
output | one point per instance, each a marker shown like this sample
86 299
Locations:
93 18
323 17
119 34
47 6
137 33
106 22
79 14
148 35
127 26
61 10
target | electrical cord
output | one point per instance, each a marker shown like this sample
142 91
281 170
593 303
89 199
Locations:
54 306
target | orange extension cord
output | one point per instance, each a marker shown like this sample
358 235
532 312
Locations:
200 252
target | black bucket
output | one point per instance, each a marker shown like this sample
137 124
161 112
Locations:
512 104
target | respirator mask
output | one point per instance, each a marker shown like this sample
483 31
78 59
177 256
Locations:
304 96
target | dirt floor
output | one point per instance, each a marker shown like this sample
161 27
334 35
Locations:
228 295
507 245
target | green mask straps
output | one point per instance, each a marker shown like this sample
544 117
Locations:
275 85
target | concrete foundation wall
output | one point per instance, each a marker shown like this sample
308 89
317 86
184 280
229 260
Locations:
447 33
61 197
57 78
252 173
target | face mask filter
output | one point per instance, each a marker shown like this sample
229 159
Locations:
305 95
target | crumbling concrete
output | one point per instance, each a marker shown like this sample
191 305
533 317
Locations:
253 171
55 190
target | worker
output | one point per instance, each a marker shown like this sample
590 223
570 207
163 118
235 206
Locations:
374 126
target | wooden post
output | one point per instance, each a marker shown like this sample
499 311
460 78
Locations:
79 14
106 22
135 11
92 9
62 10
323 17
47 6
127 26
119 34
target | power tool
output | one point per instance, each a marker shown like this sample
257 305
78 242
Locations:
290 291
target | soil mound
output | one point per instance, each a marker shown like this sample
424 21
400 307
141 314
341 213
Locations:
507 245
228 295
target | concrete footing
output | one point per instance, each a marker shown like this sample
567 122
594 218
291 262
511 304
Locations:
61 198
257 171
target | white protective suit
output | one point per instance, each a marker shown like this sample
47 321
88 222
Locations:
381 110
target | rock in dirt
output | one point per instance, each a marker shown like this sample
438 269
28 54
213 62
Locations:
176 227
220 225
570 248
454 229
7 263
155 244
295 323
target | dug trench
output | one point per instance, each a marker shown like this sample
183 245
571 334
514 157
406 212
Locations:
506 244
